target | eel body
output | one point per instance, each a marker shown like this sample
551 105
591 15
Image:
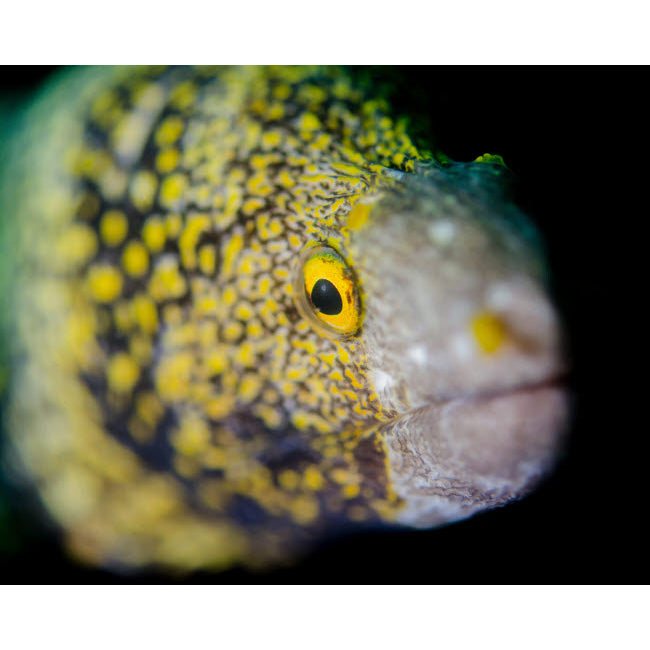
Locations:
245 312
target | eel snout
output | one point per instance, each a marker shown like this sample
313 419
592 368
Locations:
451 459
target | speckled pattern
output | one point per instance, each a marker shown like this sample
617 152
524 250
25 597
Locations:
204 419
175 397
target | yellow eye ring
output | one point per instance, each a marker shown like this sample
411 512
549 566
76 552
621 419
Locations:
326 292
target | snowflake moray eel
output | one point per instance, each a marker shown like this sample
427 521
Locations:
246 311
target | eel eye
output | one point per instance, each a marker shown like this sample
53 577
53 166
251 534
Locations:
326 292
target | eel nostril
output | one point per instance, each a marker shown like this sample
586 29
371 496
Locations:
489 331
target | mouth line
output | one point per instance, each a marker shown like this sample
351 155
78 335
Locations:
558 382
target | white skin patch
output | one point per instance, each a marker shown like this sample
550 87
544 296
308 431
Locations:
418 354
381 380
499 296
462 346
442 232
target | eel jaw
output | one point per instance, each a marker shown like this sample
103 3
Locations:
449 460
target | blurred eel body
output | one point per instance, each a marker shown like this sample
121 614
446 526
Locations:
246 313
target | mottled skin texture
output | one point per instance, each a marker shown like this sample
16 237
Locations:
171 399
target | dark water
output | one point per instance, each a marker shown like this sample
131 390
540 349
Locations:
560 130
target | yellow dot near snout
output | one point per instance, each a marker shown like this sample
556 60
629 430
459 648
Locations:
358 216
489 331
122 373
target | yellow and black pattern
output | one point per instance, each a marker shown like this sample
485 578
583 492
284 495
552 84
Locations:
205 419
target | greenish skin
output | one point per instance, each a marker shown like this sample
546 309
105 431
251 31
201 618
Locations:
197 412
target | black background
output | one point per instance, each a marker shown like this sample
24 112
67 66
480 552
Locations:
565 132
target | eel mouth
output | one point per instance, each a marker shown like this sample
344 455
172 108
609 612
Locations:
557 382
501 429
477 450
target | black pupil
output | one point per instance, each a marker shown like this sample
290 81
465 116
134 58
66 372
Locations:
326 298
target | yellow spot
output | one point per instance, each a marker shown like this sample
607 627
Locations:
105 283
269 415
243 311
489 331
173 224
304 420
274 111
145 313
259 161
313 479
308 122
123 316
304 509
246 355
321 142
218 407
183 95
135 259
232 331
254 329
173 376
153 234
258 185
172 315
275 227
207 259
358 216
328 358
246 265
196 224
143 190
271 139
172 190
230 253
249 387
122 373
341 476
166 282
282 91
288 479
141 349
229 296
78 244
343 354
285 179
252 205
216 361
353 380
169 131
113 227
192 437
348 170
309 346
351 490
215 458
167 160
298 374
491 158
